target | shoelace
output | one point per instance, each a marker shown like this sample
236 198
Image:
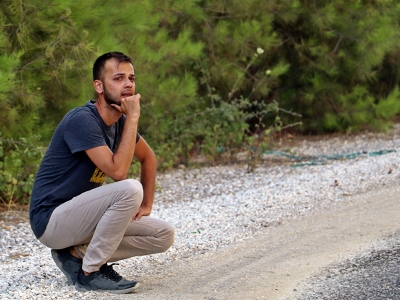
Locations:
109 272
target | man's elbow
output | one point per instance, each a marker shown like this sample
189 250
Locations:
150 159
153 158
120 175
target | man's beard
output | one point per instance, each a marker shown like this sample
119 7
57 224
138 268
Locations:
110 99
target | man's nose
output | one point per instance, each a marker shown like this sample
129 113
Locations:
128 83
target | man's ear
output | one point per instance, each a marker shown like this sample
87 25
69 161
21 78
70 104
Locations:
98 86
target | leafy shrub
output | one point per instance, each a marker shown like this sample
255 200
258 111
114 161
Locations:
19 161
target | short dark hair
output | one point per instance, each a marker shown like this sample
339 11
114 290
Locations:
98 65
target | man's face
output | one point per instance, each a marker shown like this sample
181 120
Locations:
118 81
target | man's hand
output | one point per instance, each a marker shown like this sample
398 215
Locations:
130 106
143 211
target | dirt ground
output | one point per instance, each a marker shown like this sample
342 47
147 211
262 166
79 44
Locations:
276 264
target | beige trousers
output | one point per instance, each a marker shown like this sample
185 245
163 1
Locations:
98 223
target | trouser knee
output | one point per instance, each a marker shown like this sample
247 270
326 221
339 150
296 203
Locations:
133 190
167 237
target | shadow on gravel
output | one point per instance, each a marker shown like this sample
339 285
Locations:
301 161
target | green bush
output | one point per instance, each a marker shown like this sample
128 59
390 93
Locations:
216 77
19 162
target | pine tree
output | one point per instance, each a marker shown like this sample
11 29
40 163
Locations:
48 60
43 59
342 57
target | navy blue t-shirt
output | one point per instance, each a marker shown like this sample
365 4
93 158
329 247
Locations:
66 171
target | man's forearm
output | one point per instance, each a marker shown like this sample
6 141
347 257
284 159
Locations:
123 156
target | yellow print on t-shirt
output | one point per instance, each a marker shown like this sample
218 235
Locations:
98 176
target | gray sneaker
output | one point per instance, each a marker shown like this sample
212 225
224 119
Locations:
105 280
68 264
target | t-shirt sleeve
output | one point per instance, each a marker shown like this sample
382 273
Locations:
83 132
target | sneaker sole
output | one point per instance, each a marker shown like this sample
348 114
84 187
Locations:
59 265
84 289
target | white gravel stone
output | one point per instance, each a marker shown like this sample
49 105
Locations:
214 207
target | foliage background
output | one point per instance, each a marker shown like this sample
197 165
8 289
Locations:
216 77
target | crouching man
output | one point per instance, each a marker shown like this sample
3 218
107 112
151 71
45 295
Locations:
88 224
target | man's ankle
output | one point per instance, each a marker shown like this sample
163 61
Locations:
74 253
